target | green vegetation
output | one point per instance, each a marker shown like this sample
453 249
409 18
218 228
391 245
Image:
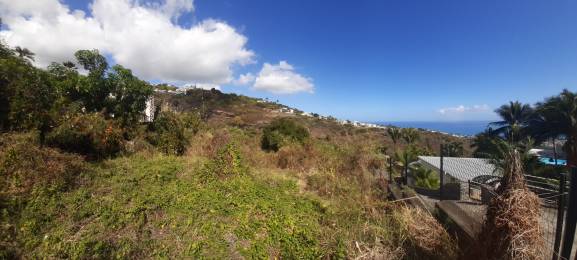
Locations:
81 176
87 134
281 132
425 178
45 100
168 134
523 126
165 206
453 149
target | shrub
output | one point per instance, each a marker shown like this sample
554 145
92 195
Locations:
30 177
88 134
296 157
282 131
167 134
425 178
227 162
191 121
24 165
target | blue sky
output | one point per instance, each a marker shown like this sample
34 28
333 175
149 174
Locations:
402 60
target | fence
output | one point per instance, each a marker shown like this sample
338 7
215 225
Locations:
477 183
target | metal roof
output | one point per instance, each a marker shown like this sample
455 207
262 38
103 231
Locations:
463 169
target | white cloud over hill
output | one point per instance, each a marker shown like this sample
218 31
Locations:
145 37
282 79
142 37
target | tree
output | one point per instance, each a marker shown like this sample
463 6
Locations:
26 94
94 89
515 117
282 131
557 116
129 95
395 134
24 53
483 144
501 149
168 134
65 79
406 157
410 135
453 149
425 177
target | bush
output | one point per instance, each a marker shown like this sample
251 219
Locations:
24 165
282 131
167 134
88 134
227 162
296 157
191 122
425 178
30 177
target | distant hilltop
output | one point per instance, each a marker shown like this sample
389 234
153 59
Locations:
168 89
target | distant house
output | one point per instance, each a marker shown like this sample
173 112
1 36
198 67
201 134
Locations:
287 110
458 171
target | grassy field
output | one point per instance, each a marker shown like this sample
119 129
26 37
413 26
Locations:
224 197
152 205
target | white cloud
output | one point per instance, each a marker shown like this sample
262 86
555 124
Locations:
245 79
282 79
461 109
143 37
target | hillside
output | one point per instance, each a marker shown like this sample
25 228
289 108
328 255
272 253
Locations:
230 109
224 197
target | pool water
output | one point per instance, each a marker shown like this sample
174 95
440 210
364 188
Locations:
551 161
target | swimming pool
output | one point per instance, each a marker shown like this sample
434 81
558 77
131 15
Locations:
551 161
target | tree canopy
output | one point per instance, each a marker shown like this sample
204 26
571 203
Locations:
37 99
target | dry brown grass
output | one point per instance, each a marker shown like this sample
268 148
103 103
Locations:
25 166
511 229
422 235
379 252
297 157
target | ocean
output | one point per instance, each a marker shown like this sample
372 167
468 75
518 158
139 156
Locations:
468 128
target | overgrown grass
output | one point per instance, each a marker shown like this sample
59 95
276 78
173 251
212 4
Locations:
222 199
161 207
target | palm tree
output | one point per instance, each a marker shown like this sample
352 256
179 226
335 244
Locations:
516 116
484 144
405 158
410 135
557 116
425 177
395 135
501 152
24 53
453 149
